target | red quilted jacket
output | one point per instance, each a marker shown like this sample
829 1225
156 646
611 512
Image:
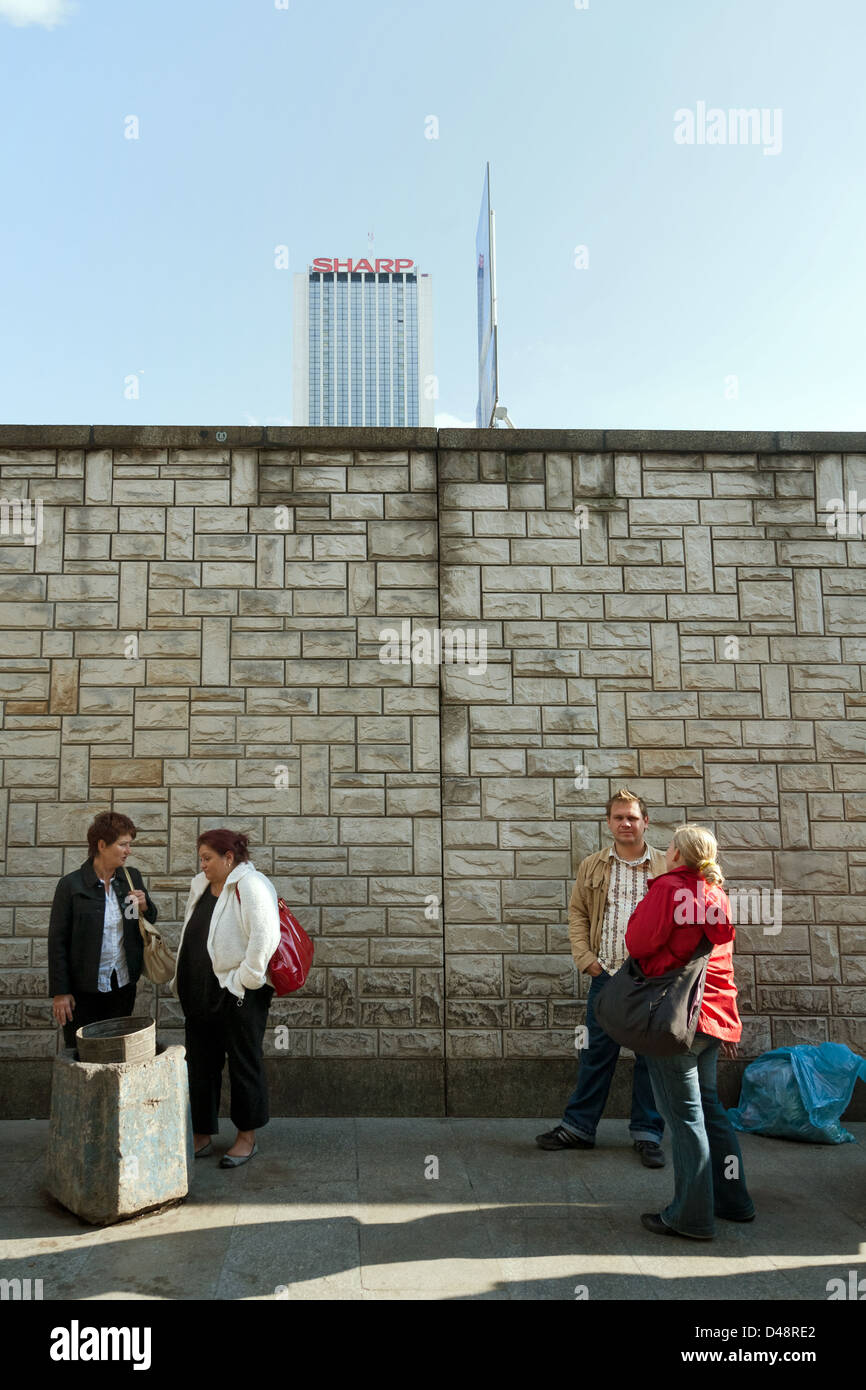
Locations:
664 930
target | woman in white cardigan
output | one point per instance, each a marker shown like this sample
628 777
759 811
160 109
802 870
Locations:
231 929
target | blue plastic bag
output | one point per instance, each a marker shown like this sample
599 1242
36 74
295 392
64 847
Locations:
799 1093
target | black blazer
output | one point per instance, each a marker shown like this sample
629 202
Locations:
75 930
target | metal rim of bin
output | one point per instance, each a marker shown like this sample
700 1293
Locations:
131 1039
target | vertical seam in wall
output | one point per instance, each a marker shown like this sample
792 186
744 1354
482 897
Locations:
441 690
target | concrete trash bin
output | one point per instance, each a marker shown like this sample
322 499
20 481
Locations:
120 1137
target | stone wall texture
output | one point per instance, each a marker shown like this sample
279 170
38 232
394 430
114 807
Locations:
197 640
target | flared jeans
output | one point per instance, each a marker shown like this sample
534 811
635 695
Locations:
708 1166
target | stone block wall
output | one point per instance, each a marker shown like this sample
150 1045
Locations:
683 623
197 639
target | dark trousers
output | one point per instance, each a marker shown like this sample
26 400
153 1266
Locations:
235 1031
118 1002
594 1077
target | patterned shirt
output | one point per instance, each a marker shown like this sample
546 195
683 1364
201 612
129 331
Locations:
628 884
113 955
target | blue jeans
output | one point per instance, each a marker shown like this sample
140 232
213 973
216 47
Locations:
708 1164
597 1065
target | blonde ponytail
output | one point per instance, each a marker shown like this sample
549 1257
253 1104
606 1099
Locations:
709 869
699 850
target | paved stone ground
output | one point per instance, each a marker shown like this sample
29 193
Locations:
341 1209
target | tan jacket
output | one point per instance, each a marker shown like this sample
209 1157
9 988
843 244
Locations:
588 897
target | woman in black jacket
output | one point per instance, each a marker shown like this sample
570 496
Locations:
95 951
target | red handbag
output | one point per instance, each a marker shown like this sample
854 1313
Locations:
291 961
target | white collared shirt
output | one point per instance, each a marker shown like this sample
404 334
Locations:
628 884
113 956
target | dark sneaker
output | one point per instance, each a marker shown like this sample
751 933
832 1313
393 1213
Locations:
653 1222
651 1155
560 1138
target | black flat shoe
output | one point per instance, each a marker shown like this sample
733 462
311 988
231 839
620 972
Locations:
654 1223
205 1150
228 1161
720 1216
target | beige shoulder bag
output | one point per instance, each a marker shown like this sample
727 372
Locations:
159 963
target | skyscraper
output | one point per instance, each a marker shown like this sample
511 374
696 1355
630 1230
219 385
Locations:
363 344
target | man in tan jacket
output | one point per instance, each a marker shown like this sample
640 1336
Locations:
609 886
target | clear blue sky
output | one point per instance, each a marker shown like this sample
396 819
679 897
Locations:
305 126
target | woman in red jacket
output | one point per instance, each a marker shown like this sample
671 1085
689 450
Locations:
663 932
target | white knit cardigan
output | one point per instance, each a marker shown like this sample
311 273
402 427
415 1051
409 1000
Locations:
243 935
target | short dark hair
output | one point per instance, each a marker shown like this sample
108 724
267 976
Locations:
225 842
108 826
625 795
